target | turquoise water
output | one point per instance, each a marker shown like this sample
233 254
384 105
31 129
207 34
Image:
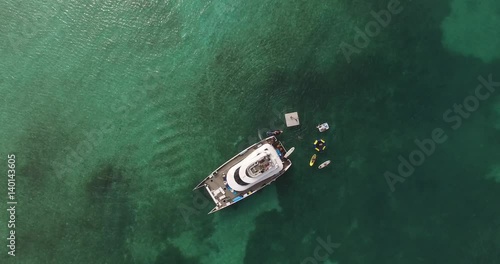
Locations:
115 110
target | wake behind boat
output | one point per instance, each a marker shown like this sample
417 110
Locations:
246 173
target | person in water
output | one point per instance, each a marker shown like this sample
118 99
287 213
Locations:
274 133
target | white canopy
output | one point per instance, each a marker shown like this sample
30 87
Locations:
264 150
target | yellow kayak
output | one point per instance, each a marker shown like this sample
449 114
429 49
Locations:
313 159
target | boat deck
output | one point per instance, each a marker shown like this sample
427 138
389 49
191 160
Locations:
216 184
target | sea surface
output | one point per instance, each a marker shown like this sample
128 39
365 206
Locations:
115 110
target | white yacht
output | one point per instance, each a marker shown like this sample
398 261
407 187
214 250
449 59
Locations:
246 173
